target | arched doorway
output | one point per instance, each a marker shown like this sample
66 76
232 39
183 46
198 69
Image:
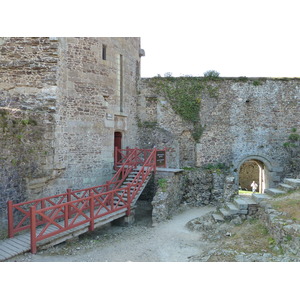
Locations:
253 170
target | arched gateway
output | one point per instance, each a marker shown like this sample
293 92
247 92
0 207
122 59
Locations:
255 168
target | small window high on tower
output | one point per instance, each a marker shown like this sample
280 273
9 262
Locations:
104 52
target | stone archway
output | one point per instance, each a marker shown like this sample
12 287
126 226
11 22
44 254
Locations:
254 168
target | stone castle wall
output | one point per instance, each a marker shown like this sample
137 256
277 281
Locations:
61 101
244 119
90 108
28 87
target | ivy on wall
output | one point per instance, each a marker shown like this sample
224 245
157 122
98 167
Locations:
20 132
184 95
292 146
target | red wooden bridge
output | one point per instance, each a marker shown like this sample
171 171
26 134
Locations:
48 221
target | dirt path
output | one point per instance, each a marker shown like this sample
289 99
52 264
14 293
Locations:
170 241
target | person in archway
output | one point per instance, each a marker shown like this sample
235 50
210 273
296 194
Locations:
254 186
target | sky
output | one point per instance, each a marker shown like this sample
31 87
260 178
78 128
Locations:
236 38
253 38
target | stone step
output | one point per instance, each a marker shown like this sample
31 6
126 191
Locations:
293 182
285 187
250 202
218 217
274 192
240 203
225 213
232 208
260 197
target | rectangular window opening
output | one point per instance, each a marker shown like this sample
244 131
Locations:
104 52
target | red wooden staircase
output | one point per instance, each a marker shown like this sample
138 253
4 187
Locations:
51 220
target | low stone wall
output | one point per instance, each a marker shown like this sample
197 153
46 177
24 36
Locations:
285 232
196 187
168 197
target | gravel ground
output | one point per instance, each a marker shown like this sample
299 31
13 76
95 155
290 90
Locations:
190 236
170 241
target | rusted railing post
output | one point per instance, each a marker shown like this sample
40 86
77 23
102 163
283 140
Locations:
108 183
111 200
115 158
66 219
69 199
92 218
33 229
10 219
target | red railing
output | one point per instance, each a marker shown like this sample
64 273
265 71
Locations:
140 156
84 210
147 168
74 208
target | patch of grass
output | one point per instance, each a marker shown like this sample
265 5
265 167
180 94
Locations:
163 184
245 192
290 205
251 237
189 169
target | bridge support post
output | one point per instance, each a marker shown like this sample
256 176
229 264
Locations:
33 230
92 220
129 220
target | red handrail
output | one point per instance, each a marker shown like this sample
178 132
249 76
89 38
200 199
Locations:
24 207
148 167
74 208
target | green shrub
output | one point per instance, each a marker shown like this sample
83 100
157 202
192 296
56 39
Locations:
163 184
211 74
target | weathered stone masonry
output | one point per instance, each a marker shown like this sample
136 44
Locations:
61 101
247 118
28 73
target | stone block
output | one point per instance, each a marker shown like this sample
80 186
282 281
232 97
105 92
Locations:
274 192
293 182
285 187
232 208
225 213
260 197
218 218
241 204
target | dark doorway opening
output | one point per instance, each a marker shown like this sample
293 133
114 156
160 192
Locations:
118 143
